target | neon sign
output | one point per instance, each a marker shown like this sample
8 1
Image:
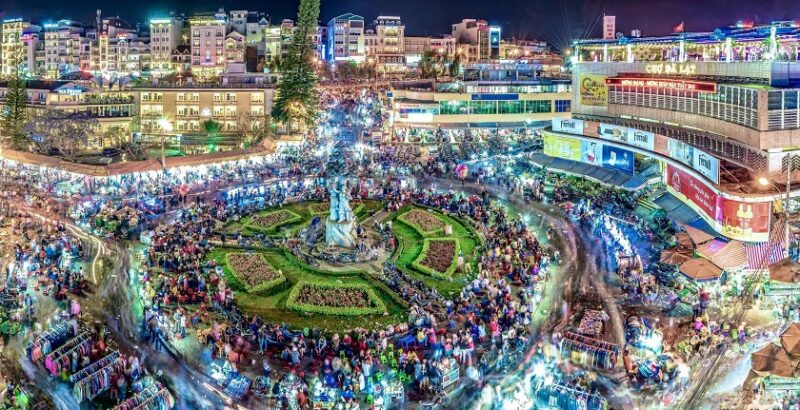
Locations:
661 83
671 68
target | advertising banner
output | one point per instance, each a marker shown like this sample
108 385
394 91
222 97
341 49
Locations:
591 152
630 136
619 159
593 90
562 147
707 165
744 221
693 190
696 159
568 126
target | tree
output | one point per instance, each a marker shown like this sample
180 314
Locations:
297 98
252 128
114 136
454 68
55 132
212 129
14 111
427 65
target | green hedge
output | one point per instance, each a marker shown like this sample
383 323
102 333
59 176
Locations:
293 217
448 274
378 305
422 231
311 211
266 285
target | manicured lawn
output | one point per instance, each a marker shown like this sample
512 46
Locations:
246 226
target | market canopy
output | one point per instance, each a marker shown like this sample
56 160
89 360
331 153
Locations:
773 359
785 270
675 256
699 237
790 339
700 269
684 240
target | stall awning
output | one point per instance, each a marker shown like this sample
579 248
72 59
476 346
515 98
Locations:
700 269
730 256
761 255
699 237
785 271
773 359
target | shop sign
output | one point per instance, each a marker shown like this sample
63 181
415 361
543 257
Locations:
744 221
629 136
671 68
664 84
593 90
495 97
562 147
696 159
568 126
618 159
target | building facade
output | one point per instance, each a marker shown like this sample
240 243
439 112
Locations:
208 46
165 36
346 39
11 44
385 46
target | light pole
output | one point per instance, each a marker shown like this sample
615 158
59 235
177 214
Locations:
164 126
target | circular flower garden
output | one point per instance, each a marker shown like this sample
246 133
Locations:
269 280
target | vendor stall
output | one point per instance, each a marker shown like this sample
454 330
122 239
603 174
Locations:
589 351
448 372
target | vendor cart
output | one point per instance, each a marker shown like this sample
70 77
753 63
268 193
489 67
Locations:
447 373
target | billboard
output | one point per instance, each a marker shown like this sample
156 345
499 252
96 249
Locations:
629 136
568 126
562 147
592 152
593 90
696 159
618 159
744 221
693 190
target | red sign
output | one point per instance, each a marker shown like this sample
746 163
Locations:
744 220
662 83
693 189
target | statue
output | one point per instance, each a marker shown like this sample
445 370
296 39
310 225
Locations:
339 228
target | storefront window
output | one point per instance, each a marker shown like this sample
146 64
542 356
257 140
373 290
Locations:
484 107
533 107
511 107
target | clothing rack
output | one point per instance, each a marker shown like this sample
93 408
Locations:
60 358
92 385
139 398
108 359
160 400
43 344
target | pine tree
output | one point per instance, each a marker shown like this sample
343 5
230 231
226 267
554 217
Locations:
12 120
297 96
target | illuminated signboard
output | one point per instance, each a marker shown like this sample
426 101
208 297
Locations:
661 83
671 68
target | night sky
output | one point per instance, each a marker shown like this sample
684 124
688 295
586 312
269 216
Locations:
557 21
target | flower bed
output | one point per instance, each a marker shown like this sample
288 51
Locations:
423 222
335 299
253 271
274 219
439 258
323 208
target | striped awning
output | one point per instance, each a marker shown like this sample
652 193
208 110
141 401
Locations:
761 255
731 256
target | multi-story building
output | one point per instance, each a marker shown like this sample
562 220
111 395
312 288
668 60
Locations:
384 46
718 109
111 109
32 51
346 39
181 59
208 46
62 48
188 107
165 36
493 95
475 39
414 47
11 44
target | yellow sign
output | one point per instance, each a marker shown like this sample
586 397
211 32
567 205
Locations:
671 68
562 147
593 90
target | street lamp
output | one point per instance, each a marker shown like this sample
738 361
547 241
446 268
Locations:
164 126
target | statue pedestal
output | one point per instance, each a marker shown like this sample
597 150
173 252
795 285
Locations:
340 234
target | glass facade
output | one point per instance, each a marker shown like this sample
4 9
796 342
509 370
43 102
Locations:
519 89
738 105
496 107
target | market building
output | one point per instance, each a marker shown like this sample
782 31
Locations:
493 96
717 110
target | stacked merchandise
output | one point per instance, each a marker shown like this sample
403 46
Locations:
238 386
589 351
60 358
44 344
558 396
592 323
152 397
